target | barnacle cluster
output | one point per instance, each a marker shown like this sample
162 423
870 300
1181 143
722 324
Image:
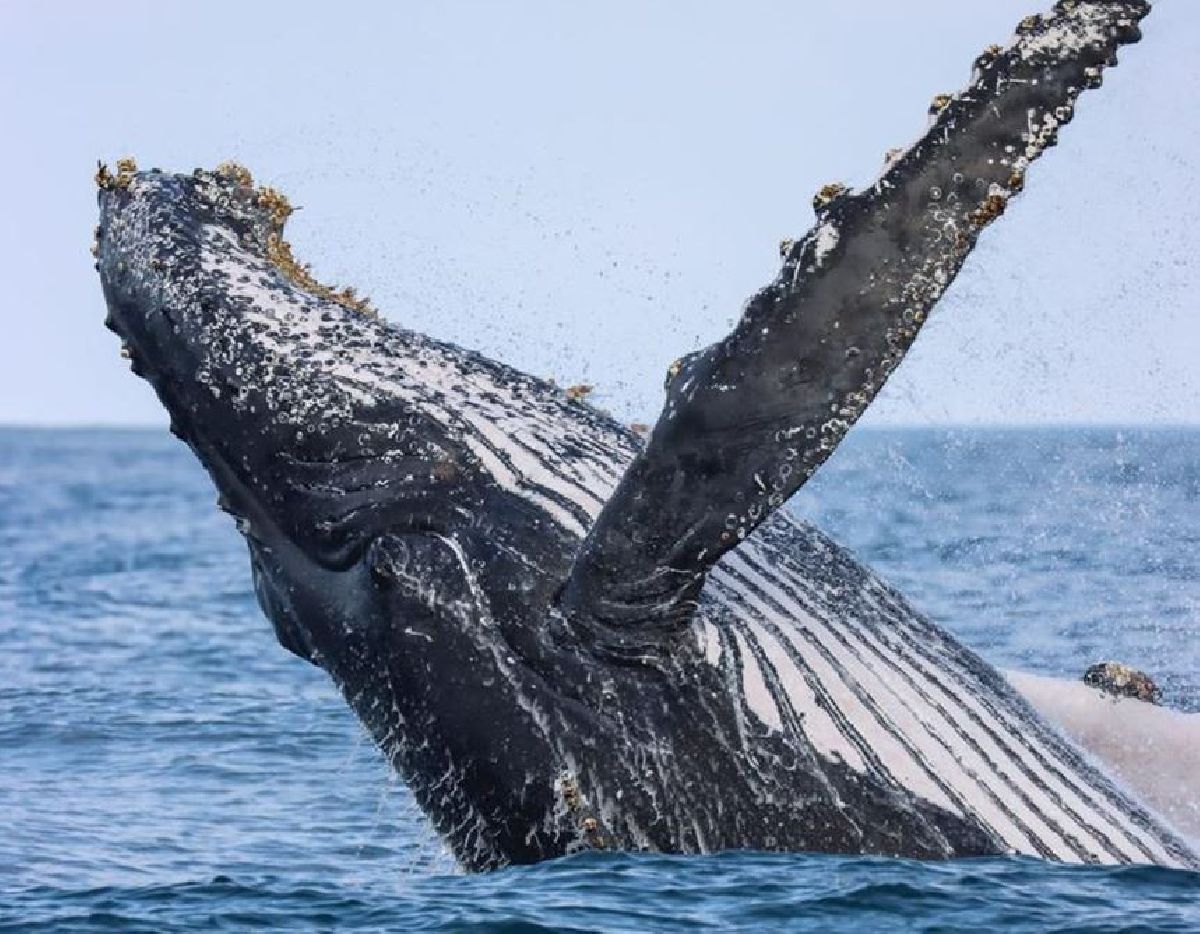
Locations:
989 209
1029 25
988 56
1122 681
278 208
235 172
126 169
939 103
673 370
279 251
569 789
828 194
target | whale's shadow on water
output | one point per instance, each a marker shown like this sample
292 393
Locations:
567 637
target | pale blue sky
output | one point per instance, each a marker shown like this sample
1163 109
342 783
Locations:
589 190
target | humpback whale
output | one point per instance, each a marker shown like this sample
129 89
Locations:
564 636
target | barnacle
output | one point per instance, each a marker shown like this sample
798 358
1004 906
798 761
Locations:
126 169
1123 681
939 103
828 194
1028 25
235 171
987 57
570 792
991 208
673 370
275 203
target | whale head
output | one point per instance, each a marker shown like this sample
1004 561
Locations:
407 526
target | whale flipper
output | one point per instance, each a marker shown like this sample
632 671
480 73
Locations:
747 420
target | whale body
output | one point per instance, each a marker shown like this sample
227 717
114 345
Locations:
565 636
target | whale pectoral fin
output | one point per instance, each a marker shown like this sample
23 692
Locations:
750 418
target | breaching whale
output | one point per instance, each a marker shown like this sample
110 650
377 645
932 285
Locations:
565 637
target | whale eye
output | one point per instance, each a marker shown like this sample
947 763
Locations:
424 567
388 558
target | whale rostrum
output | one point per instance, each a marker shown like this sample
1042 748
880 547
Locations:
565 634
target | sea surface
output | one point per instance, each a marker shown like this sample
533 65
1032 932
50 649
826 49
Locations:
166 766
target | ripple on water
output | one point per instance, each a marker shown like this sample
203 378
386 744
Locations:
164 765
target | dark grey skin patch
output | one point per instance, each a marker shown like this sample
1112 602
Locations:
563 637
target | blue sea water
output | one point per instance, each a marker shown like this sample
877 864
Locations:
166 766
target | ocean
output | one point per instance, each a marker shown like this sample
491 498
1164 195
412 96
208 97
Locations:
166 766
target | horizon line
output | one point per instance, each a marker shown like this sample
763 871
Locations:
885 426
